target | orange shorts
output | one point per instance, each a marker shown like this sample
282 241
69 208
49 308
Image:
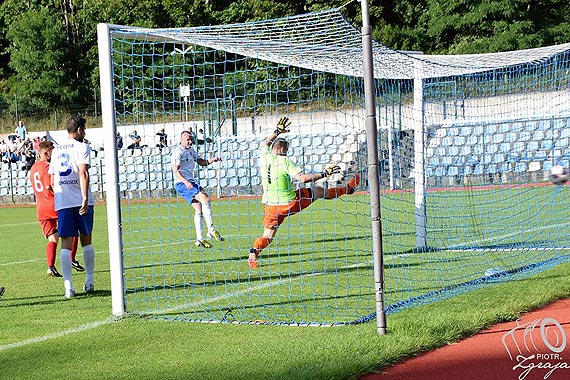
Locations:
274 215
49 226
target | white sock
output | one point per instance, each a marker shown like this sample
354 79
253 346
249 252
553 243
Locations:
89 261
198 225
208 216
65 259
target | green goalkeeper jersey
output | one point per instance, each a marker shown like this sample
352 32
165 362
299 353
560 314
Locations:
276 177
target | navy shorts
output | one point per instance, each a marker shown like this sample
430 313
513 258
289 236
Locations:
71 224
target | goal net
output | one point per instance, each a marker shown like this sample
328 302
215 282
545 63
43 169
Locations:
465 144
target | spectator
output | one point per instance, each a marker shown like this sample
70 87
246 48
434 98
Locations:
13 153
119 141
4 151
162 139
136 141
36 143
200 137
21 130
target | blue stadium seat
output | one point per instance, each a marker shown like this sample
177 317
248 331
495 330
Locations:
465 130
498 158
532 145
459 140
518 146
479 169
543 125
453 171
506 167
491 148
520 167
440 171
504 127
524 136
498 138
513 157
561 143
505 147
547 165
447 141
490 129
540 155
511 136
472 140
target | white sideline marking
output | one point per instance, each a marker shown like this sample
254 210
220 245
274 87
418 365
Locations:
21 262
56 335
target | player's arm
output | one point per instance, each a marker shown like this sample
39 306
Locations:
203 162
282 127
310 177
84 184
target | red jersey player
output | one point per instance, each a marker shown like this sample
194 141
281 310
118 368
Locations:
46 214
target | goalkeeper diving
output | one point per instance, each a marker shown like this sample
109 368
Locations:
280 198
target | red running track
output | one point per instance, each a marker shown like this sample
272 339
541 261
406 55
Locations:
537 346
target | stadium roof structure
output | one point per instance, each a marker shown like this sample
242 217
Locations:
326 41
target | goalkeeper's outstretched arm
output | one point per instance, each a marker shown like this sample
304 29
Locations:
282 127
310 177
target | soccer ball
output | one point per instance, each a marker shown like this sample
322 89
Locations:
559 175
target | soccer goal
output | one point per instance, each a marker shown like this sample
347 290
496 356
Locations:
465 144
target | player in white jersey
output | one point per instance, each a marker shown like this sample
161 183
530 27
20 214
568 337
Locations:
184 160
74 201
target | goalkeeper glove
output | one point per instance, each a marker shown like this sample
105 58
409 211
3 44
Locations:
282 126
330 171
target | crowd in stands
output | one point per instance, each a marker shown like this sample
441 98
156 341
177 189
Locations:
18 148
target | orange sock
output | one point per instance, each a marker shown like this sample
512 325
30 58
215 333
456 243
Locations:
336 192
261 243
51 249
74 248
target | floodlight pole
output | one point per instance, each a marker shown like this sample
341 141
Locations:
373 177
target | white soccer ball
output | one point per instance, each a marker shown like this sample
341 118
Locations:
559 174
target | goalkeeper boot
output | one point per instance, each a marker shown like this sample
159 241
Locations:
75 265
52 272
353 184
215 235
252 260
203 244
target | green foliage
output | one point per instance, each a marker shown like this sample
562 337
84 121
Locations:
48 48
40 59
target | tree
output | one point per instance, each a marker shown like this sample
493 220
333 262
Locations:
40 60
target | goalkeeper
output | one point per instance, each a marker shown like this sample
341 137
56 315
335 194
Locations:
279 196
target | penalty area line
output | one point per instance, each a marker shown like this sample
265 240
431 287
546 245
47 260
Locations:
39 339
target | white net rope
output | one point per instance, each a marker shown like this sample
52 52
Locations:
326 41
